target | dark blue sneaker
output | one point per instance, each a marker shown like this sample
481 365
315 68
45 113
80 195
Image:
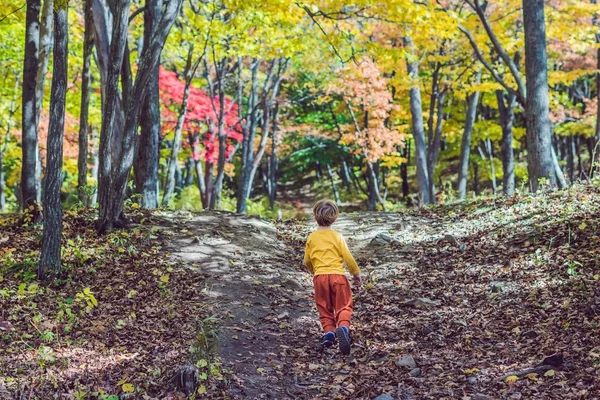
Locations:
343 338
326 342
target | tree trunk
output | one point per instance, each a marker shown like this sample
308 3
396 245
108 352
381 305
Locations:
274 160
571 157
9 126
404 170
105 60
435 144
45 41
490 150
580 170
416 110
597 37
95 166
218 94
336 193
476 185
107 196
29 144
249 132
345 174
560 177
189 173
507 119
465 147
170 183
2 184
209 182
82 161
374 195
199 171
111 208
49 266
146 169
541 161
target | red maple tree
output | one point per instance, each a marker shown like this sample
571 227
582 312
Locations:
201 118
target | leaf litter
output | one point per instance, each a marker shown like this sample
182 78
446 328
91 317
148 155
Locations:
481 300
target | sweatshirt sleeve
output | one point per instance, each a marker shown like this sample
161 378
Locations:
307 262
348 258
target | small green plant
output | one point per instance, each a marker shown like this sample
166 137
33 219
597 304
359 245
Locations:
47 336
45 356
87 297
206 340
572 268
79 395
76 251
65 315
119 239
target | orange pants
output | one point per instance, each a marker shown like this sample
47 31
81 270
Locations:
334 301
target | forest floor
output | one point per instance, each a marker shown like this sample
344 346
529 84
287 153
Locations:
494 299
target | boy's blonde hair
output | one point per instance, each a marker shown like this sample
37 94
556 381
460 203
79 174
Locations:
326 212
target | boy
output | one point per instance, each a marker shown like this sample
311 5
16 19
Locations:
326 251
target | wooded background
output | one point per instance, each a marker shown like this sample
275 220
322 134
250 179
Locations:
218 104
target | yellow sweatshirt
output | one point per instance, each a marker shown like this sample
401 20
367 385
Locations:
326 251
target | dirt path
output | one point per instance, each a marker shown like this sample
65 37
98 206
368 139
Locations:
256 293
262 298
453 302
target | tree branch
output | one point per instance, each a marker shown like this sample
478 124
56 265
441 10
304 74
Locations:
500 50
487 65
136 13
13 12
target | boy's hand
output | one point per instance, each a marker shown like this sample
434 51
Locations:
358 280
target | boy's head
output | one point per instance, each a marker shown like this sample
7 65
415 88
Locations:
325 212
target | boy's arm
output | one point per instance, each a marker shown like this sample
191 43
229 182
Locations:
307 262
347 256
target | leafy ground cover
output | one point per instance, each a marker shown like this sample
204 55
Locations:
492 299
119 320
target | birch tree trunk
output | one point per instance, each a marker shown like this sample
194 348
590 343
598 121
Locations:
507 119
435 145
336 192
218 95
170 183
9 127
46 22
416 110
82 161
465 147
249 132
95 167
29 144
274 160
49 265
